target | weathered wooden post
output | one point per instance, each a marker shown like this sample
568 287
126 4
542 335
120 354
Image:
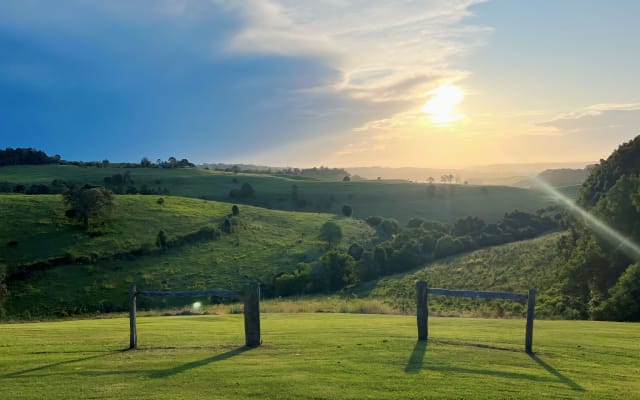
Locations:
422 309
133 336
252 315
531 310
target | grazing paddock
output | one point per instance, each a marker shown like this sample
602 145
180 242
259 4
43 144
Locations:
317 356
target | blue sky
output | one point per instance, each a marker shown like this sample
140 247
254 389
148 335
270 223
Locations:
298 83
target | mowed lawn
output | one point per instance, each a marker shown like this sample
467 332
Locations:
318 356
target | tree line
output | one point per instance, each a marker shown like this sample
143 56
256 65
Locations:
396 249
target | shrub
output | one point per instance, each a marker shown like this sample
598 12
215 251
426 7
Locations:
347 210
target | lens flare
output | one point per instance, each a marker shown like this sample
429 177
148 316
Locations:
624 244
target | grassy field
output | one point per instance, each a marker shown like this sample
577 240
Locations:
319 356
268 242
402 200
512 267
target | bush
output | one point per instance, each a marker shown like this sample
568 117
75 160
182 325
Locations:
624 303
347 210
331 233
373 221
448 245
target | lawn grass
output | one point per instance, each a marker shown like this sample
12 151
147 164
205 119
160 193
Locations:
319 356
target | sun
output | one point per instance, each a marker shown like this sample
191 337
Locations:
441 108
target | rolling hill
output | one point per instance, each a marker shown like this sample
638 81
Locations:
59 269
402 200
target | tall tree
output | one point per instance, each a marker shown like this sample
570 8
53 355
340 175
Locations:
89 202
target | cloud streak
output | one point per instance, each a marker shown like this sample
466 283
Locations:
384 51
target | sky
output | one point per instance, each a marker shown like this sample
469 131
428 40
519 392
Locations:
343 83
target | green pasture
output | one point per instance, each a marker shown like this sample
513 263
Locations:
402 200
511 267
266 243
319 356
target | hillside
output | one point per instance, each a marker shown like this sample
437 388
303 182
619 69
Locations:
510 267
74 272
402 200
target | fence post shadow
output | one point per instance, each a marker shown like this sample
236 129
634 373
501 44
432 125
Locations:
571 384
200 363
416 359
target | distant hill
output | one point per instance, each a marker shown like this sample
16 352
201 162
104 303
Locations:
495 174
390 198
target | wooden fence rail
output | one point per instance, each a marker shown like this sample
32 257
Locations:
251 295
422 310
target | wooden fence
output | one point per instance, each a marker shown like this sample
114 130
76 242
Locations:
423 291
250 295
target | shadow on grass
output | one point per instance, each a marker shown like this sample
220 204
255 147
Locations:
417 357
416 363
199 363
18 374
571 384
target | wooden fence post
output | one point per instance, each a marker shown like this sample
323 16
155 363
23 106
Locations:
422 310
133 336
252 315
531 310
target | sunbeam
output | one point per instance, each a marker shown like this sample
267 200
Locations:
601 228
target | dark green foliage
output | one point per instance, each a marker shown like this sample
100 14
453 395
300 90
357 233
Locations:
346 179
468 226
235 211
331 233
89 202
374 221
624 301
294 283
355 251
596 261
347 210
624 161
415 223
448 245
3 288
388 227
160 201
336 267
161 240
246 191
25 156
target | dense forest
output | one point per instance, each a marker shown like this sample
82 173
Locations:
602 279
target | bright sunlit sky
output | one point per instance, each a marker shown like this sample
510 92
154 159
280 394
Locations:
438 83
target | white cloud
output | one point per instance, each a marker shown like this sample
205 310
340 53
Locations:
385 51
604 119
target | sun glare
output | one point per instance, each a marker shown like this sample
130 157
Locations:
441 108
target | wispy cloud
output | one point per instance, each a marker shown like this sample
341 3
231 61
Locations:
607 118
384 51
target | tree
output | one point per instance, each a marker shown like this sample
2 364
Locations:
235 211
89 202
624 303
347 178
3 288
161 240
145 163
331 233
246 190
347 210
